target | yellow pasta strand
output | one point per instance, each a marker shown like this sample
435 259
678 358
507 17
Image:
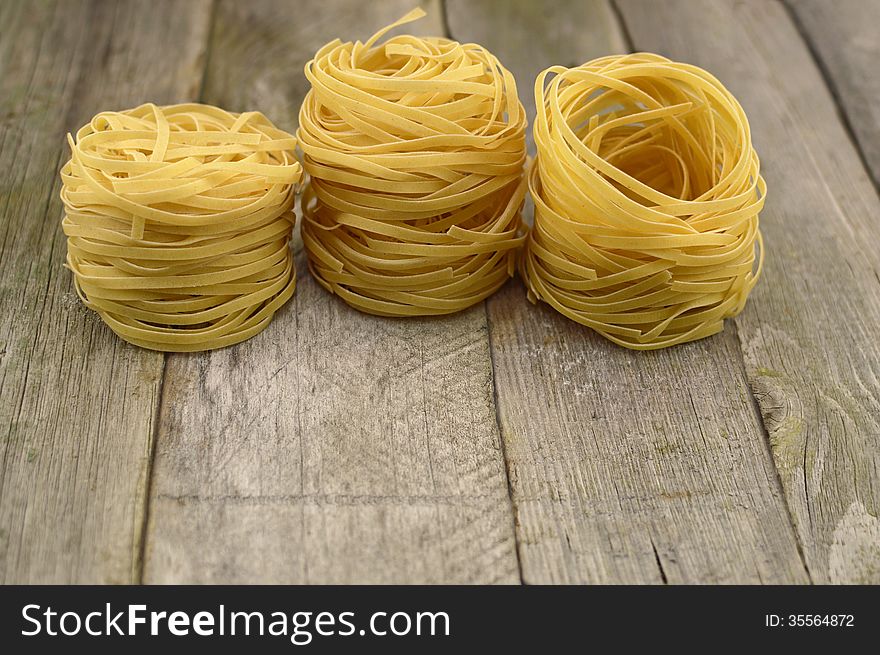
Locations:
647 192
178 221
415 150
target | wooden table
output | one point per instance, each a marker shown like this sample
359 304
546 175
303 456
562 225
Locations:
504 444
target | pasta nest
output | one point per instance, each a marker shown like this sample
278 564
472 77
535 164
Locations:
647 192
178 221
415 151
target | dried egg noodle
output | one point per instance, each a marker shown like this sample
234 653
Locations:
178 221
415 150
647 193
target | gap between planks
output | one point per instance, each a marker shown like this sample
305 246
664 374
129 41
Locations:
808 334
157 414
292 536
627 507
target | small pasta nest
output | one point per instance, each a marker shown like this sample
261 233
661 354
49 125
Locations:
647 192
178 221
415 151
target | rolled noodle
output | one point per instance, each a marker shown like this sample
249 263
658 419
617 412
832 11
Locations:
415 149
647 192
178 221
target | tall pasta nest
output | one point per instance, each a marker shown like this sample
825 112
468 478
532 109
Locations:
415 149
647 192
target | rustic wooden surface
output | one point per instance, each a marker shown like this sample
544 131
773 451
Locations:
505 444
78 406
843 35
624 466
335 446
809 338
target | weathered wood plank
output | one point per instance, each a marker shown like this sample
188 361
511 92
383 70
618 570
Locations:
844 37
77 405
625 467
529 36
809 336
334 446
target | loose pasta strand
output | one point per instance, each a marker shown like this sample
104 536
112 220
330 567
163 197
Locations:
647 192
178 221
415 150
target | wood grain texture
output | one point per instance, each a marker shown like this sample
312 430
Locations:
526 36
625 467
809 335
335 446
77 405
843 36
